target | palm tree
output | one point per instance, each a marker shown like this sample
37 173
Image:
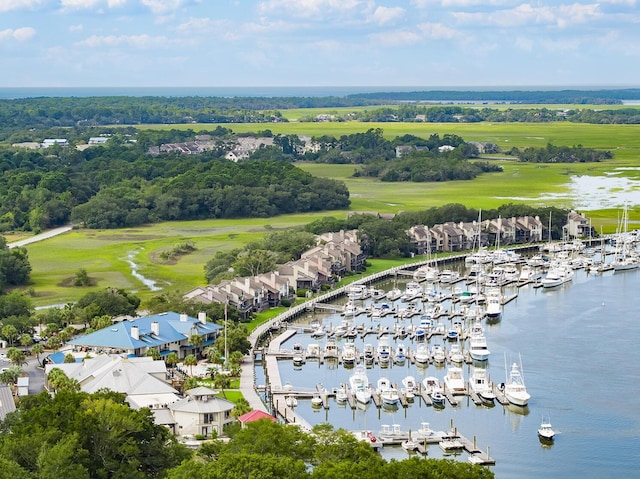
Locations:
154 353
16 356
172 359
37 349
190 361
196 341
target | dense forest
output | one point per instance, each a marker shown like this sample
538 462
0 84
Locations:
119 184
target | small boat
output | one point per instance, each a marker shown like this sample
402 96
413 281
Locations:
424 432
388 394
316 400
437 398
369 353
545 431
318 333
399 355
412 291
422 354
291 401
394 294
341 395
409 444
557 276
431 384
493 308
437 352
410 387
455 354
451 443
384 350
378 294
358 291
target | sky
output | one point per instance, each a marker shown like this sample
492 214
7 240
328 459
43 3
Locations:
429 43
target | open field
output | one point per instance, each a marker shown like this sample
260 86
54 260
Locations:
106 254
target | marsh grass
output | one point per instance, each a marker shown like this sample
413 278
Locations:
104 254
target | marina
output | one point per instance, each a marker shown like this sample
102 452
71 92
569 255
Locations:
565 320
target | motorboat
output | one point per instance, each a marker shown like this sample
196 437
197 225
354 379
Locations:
400 354
451 443
493 308
341 395
456 355
349 353
409 445
480 384
378 294
545 431
426 272
313 351
369 353
478 343
298 354
358 291
409 387
437 352
422 354
391 432
290 401
388 393
431 384
316 401
384 350
359 384
319 332
331 349
394 295
454 380
454 332
449 276
557 275
425 432
412 291
437 398
514 388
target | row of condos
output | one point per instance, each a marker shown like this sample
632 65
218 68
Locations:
461 236
335 255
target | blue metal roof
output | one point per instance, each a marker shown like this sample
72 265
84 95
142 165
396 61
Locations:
171 329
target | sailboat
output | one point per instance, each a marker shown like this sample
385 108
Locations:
624 259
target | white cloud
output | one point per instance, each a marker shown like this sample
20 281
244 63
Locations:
437 31
76 28
133 41
525 14
462 3
384 15
195 25
8 5
396 38
630 3
78 4
312 8
19 34
160 7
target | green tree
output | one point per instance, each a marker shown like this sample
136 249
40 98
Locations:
172 359
190 361
10 333
255 262
82 278
66 459
153 353
37 349
16 356
26 340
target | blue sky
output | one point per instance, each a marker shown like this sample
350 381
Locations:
432 43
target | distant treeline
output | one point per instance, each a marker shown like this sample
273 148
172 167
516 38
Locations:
567 97
461 114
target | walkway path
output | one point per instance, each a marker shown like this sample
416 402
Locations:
41 236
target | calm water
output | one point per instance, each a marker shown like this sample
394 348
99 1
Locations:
579 348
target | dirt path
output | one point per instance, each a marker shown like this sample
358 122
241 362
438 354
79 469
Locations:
41 236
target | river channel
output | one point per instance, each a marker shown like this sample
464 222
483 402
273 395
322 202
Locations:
580 356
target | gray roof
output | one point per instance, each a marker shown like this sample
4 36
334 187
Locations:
7 404
210 405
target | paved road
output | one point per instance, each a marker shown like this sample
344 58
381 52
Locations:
42 236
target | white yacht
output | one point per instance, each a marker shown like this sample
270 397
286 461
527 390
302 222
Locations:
514 388
493 308
349 353
331 349
359 384
383 350
410 387
456 355
454 380
478 343
431 384
358 291
437 352
557 275
400 354
412 291
545 431
481 385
